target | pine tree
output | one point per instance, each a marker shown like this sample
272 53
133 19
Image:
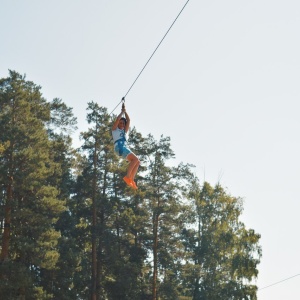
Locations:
165 200
30 202
126 250
117 258
62 124
94 189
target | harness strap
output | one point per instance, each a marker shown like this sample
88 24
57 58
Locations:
120 145
122 139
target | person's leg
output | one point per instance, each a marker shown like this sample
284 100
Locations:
134 170
134 164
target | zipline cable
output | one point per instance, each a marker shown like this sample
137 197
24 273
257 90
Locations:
123 99
278 282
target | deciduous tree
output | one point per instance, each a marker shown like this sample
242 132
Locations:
225 254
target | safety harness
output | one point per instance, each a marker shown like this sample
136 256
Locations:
121 143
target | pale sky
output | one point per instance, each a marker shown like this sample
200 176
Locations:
224 85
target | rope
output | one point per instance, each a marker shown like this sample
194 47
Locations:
123 99
278 282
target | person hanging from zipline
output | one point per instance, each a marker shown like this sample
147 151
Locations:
119 130
121 126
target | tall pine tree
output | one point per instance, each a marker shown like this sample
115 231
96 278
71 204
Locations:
165 199
29 198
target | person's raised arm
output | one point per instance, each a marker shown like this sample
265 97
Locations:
115 125
127 120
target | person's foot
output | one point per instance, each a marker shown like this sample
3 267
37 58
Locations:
134 185
128 181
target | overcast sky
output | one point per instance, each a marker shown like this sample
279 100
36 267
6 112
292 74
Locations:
224 85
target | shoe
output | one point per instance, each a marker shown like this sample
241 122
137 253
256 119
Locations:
134 185
128 181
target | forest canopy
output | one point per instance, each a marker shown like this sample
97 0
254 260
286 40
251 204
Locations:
72 229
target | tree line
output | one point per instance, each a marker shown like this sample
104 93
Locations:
71 229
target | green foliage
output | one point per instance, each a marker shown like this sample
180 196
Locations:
225 254
29 196
74 230
14 276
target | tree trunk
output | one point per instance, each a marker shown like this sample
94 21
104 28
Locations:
94 224
155 250
7 222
